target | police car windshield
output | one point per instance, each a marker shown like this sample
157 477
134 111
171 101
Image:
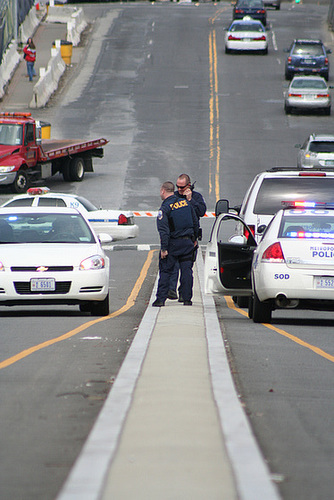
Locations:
308 227
274 190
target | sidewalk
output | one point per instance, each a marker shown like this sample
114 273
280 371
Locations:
172 427
20 90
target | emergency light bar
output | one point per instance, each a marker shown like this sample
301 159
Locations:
306 204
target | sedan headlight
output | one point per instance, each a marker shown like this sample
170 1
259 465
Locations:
94 262
4 170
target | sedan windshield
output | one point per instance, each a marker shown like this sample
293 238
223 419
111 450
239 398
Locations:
44 228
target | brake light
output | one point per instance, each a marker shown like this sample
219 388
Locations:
231 37
326 60
312 174
123 220
239 11
323 96
261 39
38 190
289 59
295 95
274 253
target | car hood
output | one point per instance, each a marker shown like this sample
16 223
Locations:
47 254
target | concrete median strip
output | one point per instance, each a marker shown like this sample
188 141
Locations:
173 406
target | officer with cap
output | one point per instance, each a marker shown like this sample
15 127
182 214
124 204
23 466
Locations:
185 190
178 229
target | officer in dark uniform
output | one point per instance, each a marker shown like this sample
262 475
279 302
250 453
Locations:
178 229
185 190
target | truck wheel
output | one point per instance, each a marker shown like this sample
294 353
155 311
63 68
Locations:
21 183
77 169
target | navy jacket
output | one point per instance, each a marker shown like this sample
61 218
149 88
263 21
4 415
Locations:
176 219
197 202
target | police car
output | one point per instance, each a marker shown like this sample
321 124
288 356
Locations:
292 267
118 224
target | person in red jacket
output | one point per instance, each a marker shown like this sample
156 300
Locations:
30 57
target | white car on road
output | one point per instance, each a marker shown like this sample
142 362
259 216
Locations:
316 152
118 224
246 34
292 267
52 256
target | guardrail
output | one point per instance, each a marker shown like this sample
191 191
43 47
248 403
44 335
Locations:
48 80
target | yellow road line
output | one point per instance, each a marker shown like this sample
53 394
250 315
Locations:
297 340
129 303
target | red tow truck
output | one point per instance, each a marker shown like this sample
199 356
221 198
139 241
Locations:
25 156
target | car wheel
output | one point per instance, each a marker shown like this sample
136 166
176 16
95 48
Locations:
326 76
227 51
250 307
327 111
21 182
77 169
287 109
265 51
261 311
85 307
288 75
242 302
100 308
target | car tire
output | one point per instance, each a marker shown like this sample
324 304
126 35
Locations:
242 302
100 308
250 307
77 169
227 51
326 76
327 111
85 307
288 75
265 51
287 109
261 310
21 182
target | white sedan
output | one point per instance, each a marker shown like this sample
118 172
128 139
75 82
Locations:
246 34
118 224
52 256
308 93
291 268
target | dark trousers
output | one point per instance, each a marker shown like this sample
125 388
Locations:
180 251
175 274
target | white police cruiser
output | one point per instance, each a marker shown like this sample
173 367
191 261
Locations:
118 224
291 267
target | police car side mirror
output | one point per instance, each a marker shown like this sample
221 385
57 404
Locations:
222 207
261 229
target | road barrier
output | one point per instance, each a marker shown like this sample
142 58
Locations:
72 16
10 60
48 80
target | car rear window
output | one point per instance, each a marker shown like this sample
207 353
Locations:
308 49
322 147
247 27
307 83
307 227
273 191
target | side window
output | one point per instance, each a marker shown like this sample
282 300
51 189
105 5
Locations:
29 133
228 228
51 202
24 202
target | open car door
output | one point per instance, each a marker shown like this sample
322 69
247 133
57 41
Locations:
229 256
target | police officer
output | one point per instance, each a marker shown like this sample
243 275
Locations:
178 229
186 191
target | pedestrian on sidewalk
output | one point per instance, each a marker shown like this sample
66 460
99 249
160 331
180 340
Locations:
185 190
30 57
177 225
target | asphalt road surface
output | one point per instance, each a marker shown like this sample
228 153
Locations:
155 81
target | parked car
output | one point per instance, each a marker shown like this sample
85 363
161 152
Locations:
308 93
307 57
246 35
118 224
292 267
52 256
268 189
252 8
316 152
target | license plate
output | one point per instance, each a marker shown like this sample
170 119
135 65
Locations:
247 39
323 282
329 162
42 284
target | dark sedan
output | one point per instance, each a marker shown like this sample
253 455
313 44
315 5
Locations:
252 8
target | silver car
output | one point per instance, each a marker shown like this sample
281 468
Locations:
308 93
316 152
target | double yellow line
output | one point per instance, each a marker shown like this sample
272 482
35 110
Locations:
129 303
214 148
